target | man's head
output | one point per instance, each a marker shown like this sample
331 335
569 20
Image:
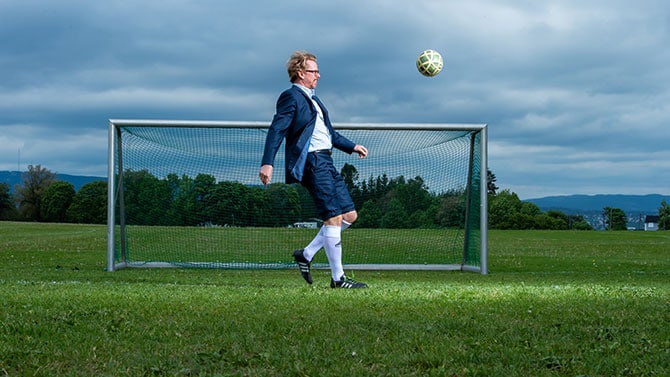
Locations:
302 69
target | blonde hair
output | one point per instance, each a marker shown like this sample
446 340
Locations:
297 63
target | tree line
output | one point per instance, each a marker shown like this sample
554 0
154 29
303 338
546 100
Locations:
43 198
382 202
507 211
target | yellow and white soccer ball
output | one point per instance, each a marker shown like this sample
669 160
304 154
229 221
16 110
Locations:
429 63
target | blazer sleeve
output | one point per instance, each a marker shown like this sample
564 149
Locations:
342 143
281 122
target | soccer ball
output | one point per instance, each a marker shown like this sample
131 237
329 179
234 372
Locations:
429 63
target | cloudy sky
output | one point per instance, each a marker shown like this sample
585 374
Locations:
576 94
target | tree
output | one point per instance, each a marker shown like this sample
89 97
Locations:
491 182
29 196
529 217
664 216
451 210
504 210
560 219
307 206
545 221
179 187
530 209
147 199
396 216
350 176
615 218
577 222
284 205
370 215
259 201
89 205
201 187
7 207
375 189
412 194
223 204
56 200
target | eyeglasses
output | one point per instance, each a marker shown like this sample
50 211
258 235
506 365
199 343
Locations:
315 71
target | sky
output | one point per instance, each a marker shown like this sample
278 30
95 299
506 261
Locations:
576 94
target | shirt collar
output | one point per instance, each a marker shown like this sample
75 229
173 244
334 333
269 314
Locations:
310 92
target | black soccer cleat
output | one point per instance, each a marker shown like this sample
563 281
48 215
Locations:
346 282
303 265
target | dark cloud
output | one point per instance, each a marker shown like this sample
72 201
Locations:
575 94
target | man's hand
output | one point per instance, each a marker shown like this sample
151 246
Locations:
266 174
361 150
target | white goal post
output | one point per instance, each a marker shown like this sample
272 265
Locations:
185 193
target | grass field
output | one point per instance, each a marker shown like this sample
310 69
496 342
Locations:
555 304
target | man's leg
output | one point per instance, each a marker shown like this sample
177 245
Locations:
319 240
315 245
333 245
331 237
333 204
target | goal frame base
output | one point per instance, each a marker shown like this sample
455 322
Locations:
280 266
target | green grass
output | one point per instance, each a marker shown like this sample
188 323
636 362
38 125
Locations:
555 304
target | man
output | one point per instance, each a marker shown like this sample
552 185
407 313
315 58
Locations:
302 119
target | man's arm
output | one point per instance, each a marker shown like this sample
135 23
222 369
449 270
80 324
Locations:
279 127
276 133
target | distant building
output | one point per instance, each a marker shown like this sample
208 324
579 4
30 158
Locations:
651 222
305 224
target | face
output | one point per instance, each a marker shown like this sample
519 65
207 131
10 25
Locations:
310 76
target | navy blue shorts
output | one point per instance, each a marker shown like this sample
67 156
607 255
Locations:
326 186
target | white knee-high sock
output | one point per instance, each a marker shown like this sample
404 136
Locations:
318 242
333 245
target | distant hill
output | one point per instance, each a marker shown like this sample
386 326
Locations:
636 207
13 178
630 204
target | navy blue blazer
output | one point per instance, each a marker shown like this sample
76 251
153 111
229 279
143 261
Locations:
294 120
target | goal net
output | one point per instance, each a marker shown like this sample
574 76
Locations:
187 194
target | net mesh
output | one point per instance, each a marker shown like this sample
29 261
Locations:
190 196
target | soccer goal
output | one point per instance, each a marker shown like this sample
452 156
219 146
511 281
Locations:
187 194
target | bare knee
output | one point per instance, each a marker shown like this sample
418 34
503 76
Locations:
334 221
350 217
